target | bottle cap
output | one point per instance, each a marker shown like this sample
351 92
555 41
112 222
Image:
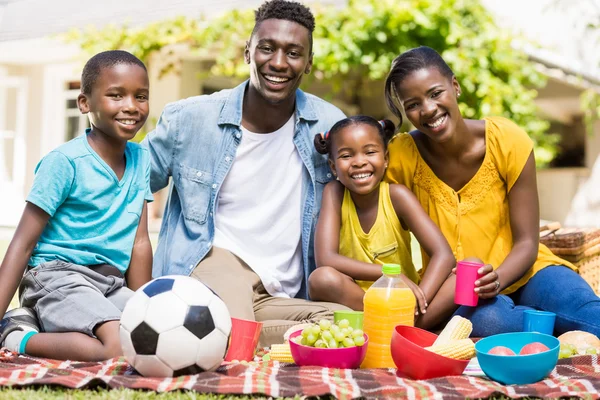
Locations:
391 269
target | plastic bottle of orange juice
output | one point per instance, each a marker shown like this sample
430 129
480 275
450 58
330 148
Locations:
387 303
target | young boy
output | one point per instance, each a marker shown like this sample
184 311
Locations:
83 232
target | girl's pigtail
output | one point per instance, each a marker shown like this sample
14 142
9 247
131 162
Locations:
321 143
389 130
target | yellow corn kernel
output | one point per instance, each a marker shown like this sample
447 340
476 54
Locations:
281 352
457 328
463 349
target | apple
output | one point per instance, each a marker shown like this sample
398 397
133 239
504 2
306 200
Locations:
501 351
533 348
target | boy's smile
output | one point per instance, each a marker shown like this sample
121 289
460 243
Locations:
359 158
118 104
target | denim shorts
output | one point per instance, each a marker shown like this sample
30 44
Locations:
74 298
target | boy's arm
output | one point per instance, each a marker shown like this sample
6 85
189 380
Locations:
32 224
327 238
431 239
140 266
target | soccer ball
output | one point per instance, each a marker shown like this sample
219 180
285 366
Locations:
175 325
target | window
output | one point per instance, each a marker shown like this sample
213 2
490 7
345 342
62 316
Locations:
75 122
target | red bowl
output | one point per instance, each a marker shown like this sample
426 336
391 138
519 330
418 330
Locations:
413 361
344 357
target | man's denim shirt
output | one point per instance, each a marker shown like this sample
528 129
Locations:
195 143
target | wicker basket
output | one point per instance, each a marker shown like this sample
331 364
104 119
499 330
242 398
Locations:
581 246
571 241
589 269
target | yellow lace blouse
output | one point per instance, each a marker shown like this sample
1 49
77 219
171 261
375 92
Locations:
475 220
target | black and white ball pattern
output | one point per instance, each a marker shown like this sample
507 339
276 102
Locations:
175 325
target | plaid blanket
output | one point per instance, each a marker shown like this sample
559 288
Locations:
578 376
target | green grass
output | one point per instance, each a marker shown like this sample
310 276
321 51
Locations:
46 392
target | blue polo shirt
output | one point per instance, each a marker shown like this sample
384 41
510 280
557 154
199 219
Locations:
93 215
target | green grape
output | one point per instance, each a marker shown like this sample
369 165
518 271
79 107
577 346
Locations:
591 350
320 343
303 342
359 340
346 331
327 335
332 344
339 336
311 339
347 342
334 329
343 323
316 330
297 339
564 353
306 331
325 324
357 333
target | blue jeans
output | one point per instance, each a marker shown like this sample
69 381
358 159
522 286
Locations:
556 288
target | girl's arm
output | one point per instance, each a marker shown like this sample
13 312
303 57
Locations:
140 266
429 236
327 238
32 224
524 211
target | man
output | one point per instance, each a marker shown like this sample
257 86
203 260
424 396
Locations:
247 182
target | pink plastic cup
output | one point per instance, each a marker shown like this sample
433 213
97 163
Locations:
466 275
244 339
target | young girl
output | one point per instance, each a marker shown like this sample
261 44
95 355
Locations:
477 181
364 222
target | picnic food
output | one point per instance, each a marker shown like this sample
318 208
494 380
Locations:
454 340
328 335
501 351
582 342
457 328
533 348
463 349
281 352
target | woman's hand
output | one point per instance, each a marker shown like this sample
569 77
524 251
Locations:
421 305
488 284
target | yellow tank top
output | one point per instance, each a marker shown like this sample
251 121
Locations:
475 220
386 242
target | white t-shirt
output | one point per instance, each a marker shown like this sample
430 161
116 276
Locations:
259 210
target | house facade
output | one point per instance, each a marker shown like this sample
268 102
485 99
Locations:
40 75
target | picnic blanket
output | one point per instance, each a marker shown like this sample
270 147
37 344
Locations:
578 376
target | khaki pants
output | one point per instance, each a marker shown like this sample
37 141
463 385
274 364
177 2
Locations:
245 296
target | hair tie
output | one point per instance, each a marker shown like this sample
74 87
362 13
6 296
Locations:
325 135
382 123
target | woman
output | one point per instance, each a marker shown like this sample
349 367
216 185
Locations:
477 181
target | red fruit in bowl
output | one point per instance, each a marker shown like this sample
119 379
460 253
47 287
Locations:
501 351
533 348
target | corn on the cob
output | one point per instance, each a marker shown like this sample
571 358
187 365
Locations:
281 352
463 349
456 329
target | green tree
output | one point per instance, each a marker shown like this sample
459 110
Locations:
355 45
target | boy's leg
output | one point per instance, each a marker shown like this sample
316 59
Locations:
78 346
230 278
329 284
280 314
564 292
79 321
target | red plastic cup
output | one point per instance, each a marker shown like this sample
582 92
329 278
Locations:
466 275
243 340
